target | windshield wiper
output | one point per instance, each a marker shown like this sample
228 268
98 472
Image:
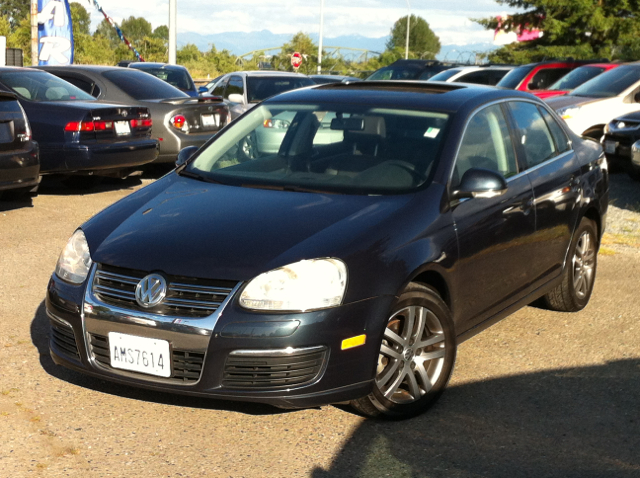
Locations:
288 187
198 177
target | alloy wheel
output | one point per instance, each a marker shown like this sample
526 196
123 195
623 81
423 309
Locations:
584 260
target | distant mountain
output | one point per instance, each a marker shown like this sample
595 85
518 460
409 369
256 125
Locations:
240 43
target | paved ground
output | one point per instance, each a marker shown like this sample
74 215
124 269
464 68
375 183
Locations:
540 394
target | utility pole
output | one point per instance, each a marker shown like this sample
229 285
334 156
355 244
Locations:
320 42
34 32
173 34
406 51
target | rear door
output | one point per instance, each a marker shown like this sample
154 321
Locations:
554 172
493 233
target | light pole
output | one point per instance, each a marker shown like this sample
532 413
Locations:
320 41
173 34
406 50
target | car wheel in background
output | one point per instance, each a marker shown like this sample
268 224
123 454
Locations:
580 272
249 147
416 357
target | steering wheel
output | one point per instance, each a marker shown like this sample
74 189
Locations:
407 167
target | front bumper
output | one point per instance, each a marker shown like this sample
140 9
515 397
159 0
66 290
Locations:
174 141
98 156
620 148
342 375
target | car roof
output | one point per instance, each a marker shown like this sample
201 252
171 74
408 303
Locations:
432 95
143 64
266 73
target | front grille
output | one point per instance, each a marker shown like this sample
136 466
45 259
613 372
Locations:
64 339
186 366
186 296
273 371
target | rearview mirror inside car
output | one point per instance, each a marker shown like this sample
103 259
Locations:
347 124
185 154
480 183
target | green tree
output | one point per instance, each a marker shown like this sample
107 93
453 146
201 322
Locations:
15 11
423 43
303 44
105 30
577 28
5 26
135 28
80 19
161 32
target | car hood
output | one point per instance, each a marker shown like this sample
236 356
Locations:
569 100
630 117
185 227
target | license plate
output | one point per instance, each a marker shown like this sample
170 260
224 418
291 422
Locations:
140 354
122 127
210 120
610 147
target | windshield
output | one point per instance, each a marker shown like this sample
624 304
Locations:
576 77
42 86
335 148
610 83
262 87
396 73
445 75
142 86
514 77
175 77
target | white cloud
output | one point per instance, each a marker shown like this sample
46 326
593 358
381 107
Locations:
370 18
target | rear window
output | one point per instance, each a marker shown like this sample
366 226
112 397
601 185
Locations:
42 86
261 88
576 77
397 73
514 77
610 83
142 86
445 75
175 77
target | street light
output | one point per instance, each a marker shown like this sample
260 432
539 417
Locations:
406 50
320 42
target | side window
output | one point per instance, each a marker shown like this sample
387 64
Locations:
219 89
533 133
85 86
482 77
543 79
486 144
562 142
235 87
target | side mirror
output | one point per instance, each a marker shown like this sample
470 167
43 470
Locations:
636 97
236 98
533 86
203 89
185 154
480 183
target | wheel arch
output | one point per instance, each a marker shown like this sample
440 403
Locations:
593 130
436 280
594 215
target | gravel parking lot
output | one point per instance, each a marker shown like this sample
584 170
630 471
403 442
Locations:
540 394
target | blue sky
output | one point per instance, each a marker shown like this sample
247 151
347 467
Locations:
370 18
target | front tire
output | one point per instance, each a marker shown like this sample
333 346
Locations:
417 355
579 276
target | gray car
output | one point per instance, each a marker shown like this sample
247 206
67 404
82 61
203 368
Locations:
178 120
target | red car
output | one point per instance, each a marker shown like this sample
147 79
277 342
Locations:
539 76
575 78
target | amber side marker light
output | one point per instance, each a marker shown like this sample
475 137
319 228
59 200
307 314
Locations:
354 342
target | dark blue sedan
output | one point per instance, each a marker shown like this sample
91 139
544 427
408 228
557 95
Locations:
394 221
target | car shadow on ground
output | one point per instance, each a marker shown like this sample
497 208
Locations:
54 185
624 192
9 203
571 422
40 338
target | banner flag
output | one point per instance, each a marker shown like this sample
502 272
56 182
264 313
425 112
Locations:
55 33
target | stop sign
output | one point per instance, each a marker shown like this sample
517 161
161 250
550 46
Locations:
296 60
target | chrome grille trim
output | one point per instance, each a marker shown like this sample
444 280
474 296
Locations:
183 299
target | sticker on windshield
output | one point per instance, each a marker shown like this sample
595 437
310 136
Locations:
431 132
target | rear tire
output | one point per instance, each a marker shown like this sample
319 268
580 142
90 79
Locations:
579 276
417 355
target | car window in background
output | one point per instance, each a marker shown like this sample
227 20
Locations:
515 77
445 75
610 83
486 144
560 137
178 78
533 134
142 86
84 85
42 86
235 87
260 87
219 89
480 77
546 77
576 77
398 74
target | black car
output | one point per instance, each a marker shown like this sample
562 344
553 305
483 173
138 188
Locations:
325 79
76 134
410 70
19 163
621 143
178 120
396 220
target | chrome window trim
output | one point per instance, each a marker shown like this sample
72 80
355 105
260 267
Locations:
541 165
277 352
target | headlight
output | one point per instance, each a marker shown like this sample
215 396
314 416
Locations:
305 285
75 260
568 113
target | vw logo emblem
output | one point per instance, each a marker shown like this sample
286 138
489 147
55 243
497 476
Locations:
151 290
